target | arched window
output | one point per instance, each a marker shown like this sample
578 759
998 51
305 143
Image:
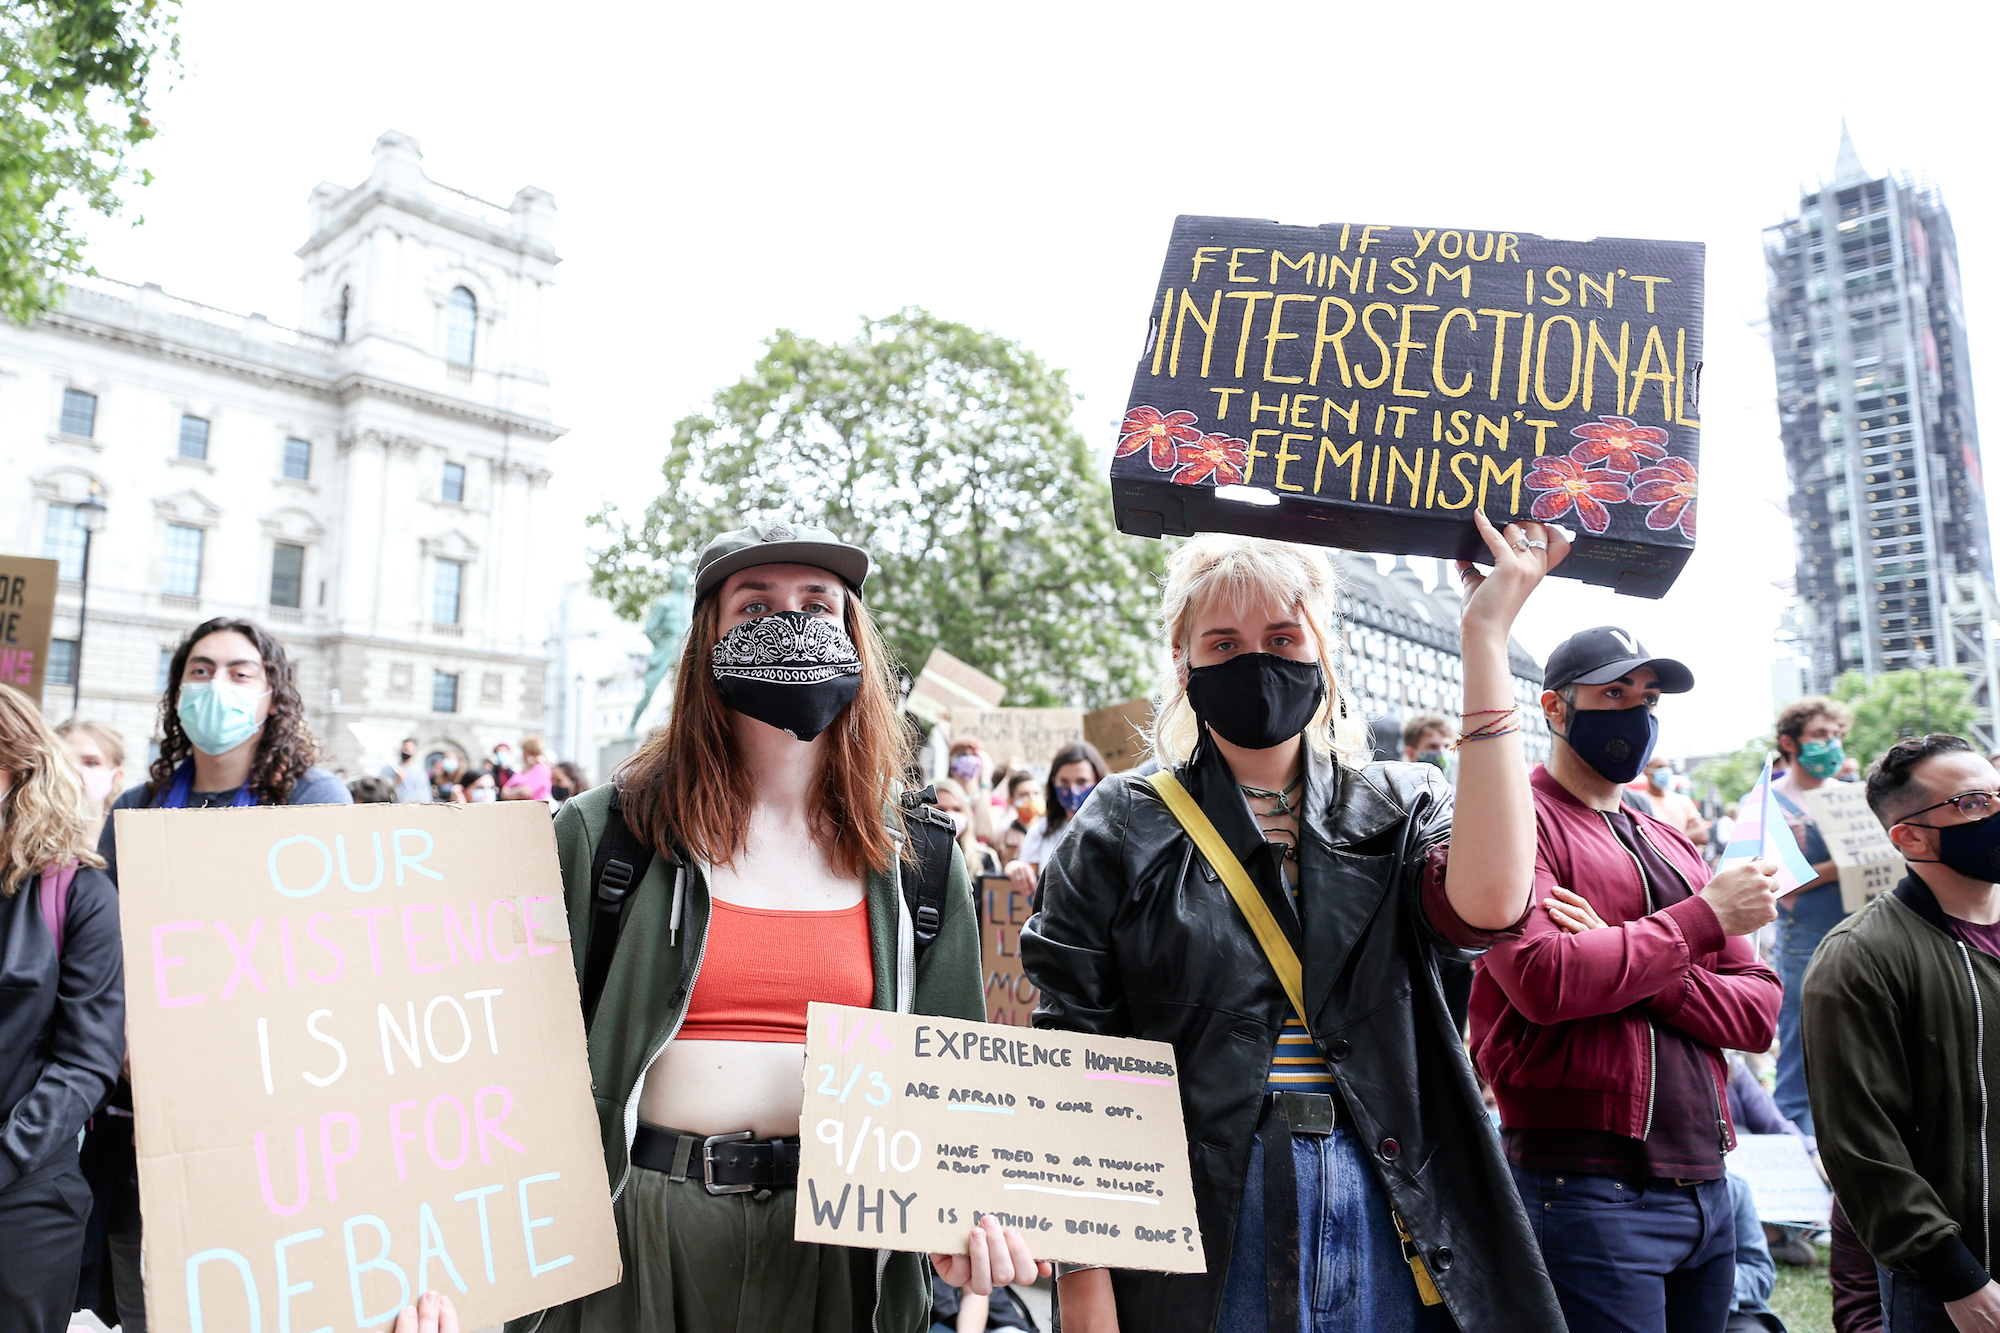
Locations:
461 326
346 304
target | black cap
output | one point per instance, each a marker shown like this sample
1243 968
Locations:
1597 656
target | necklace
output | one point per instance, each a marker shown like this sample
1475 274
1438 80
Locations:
1284 804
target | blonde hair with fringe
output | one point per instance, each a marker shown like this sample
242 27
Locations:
42 818
1217 569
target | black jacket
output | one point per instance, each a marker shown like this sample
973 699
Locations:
1136 938
62 1021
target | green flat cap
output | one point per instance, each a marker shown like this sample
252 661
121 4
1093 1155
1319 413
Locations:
778 543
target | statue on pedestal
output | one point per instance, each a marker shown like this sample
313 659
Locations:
667 622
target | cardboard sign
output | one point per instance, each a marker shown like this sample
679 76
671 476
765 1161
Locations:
1010 996
1374 384
947 683
1117 732
1783 1180
358 1060
1033 734
915 1127
1869 863
27 606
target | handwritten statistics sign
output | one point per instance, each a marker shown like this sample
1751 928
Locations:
915 1127
1003 910
359 1066
1374 384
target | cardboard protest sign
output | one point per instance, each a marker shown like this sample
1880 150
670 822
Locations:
1117 732
1033 734
358 1063
1010 996
947 683
1783 1180
1869 863
915 1127
27 607
1374 384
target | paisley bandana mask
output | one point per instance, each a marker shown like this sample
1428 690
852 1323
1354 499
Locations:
788 670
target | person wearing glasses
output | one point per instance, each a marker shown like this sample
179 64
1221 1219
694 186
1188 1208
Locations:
1901 1023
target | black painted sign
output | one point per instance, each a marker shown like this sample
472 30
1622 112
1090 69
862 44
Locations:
1368 386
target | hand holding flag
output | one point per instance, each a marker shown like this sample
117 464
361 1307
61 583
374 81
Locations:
1762 834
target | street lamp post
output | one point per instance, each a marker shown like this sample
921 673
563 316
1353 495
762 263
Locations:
1921 659
90 513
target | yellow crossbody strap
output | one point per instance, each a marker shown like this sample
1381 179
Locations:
1278 951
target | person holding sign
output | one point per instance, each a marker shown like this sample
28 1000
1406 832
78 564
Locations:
62 1015
1273 903
1901 1024
752 860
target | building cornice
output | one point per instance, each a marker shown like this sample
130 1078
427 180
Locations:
350 387
451 219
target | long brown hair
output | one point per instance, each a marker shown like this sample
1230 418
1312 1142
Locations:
286 747
42 819
688 787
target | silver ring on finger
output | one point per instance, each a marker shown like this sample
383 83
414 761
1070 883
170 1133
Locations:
1523 545
1538 546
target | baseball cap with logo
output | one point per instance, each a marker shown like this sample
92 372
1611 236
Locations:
1598 656
778 543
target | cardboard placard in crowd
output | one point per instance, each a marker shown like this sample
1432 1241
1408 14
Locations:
1117 732
27 610
1374 384
1003 908
914 1127
1783 1181
358 1063
1033 734
1869 863
946 683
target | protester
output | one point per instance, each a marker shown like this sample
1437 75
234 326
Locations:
1073 774
99 751
1809 738
971 767
498 763
1756 1276
1601 1023
1263 746
1024 800
1672 808
1428 739
478 790
1850 1270
62 1015
952 799
412 783
567 781
1899 1058
446 775
534 781
374 791
1723 830
765 829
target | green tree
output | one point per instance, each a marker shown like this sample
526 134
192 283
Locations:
1730 777
1895 704
949 454
74 78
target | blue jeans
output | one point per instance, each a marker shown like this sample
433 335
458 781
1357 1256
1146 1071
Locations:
1801 927
1352 1277
1629 1255
1909 1307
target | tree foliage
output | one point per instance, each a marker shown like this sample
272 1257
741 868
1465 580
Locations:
949 454
1893 704
1730 777
74 78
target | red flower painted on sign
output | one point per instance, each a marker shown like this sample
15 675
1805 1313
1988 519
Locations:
1619 443
1158 434
1669 487
1567 484
1216 459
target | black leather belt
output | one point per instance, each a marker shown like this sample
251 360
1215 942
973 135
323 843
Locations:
1315 1113
1284 1114
723 1163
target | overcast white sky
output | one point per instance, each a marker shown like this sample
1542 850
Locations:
724 170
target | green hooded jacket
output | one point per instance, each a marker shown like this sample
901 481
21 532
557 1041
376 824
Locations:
653 973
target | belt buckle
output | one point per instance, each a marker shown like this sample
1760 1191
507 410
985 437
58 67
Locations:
708 1162
1310 1113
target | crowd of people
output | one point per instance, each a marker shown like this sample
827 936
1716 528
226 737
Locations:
1465 1043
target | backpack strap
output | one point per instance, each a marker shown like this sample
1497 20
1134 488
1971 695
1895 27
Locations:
618 868
932 835
55 882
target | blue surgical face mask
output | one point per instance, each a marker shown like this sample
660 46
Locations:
218 715
1072 798
1614 741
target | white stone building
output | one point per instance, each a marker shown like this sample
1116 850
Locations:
364 485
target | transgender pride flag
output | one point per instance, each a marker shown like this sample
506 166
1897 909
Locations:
1762 834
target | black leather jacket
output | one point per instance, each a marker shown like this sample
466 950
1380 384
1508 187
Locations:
1136 938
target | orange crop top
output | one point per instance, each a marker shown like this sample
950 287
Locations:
760 968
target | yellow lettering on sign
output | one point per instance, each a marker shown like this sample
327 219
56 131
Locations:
1542 366
1584 282
1437 354
1352 268
1207 326
1341 457
1463 274
1368 327
1322 338
1413 470
1500 318
1617 364
1200 253
1249 300
1285 455
1278 258
1458 462
1236 258
1664 376
1272 337
1497 427
1638 277
1404 346
1490 471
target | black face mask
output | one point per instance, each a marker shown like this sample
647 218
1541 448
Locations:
1973 850
1256 700
1616 742
790 670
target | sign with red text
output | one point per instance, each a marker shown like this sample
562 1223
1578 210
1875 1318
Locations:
1368 386
915 1127
1003 909
358 1066
27 609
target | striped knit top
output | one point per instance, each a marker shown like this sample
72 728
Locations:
1296 1064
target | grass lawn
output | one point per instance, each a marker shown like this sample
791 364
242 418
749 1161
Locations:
1803 1297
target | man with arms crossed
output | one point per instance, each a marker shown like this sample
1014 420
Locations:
1901 1020
1600 1024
